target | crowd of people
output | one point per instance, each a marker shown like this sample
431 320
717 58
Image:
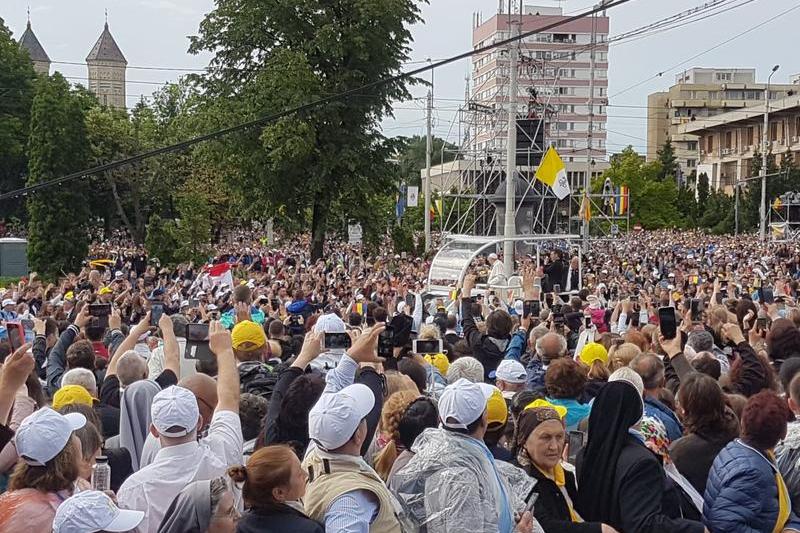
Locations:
650 384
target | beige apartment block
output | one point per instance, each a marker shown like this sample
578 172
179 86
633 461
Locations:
702 94
727 142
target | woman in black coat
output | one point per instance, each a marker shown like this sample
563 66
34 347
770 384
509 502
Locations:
620 481
273 481
539 444
710 425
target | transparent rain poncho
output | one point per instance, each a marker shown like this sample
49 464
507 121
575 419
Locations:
449 486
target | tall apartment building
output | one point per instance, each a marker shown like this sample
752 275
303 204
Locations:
698 94
555 73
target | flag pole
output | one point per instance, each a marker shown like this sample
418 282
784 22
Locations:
511 157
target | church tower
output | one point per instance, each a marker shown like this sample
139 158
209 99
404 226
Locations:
107 71
41 63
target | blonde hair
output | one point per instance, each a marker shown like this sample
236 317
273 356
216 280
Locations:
598 371
622 355
396 382
393 410
428 332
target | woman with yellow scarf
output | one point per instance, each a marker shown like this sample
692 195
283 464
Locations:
541 435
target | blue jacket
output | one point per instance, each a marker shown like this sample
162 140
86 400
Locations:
741 494
664 414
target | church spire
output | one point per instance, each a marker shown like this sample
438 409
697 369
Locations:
28 41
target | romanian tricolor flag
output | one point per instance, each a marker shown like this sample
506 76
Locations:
622 199
360 308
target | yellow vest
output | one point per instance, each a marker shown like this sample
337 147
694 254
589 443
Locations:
329 477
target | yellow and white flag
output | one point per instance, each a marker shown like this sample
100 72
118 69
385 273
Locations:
552 172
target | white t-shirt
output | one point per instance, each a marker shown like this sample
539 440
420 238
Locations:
153 487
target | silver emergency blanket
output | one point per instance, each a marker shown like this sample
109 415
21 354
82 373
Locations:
449 486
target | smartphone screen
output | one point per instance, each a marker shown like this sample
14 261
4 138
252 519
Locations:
587 322
531 308
16 335
576 441
667 322
197 332
337 341
557 288
99 310
156 310
697 308
197 347
386 343
426 347
761 324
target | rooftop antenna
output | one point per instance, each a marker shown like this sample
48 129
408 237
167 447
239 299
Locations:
106 17
29 15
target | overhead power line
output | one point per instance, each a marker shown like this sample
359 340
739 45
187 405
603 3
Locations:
310 105
719 45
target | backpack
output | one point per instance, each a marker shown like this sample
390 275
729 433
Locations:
258 378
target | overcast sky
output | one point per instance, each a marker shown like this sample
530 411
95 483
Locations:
153 33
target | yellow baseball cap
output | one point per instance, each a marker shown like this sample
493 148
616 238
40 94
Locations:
439 360
69 296
69 394
496 408
537 404
104 290
248 332
592 352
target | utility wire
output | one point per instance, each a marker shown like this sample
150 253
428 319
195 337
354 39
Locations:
310 105
723 43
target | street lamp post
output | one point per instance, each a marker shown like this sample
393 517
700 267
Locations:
762 233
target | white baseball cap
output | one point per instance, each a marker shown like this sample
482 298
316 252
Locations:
118 274
174 407
335 417
329 323
42 435
90 511
492 255
8 301
463 402
511 371
212 307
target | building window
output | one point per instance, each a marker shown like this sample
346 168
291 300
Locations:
724 76
691 146
710 144
691 163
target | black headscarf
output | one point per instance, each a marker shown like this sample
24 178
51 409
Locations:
616 408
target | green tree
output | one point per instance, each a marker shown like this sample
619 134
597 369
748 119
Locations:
652 201
270 55
687 207
16 94
57 233
412 159
702 192
193 229
669 163
160 240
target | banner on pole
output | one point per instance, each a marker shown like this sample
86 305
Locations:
413 196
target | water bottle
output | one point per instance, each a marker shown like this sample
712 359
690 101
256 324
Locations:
101 474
